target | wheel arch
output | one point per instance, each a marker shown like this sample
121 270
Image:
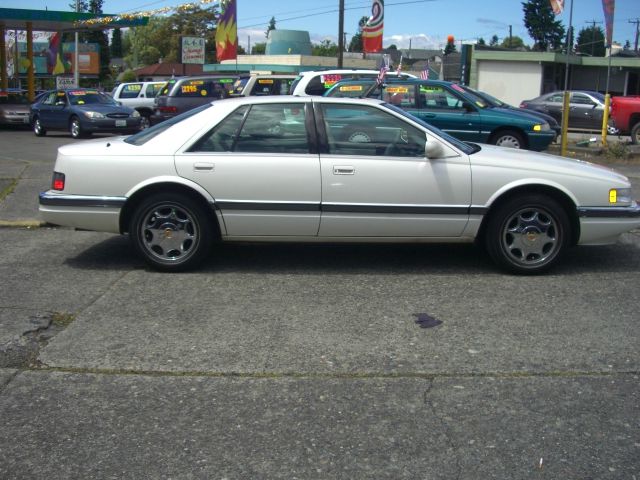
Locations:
510 128
165 186
563 198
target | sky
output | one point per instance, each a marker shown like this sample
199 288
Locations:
415 23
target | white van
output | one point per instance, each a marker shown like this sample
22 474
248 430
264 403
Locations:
318 82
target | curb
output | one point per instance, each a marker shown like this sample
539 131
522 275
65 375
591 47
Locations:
21 223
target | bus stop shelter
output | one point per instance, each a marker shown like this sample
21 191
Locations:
52 21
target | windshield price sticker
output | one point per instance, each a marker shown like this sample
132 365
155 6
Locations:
189 89
329 80
397 90
266 81
351 88
133 88
430 89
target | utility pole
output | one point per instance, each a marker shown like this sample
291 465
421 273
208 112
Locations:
593 35
637 22
341 35
510 36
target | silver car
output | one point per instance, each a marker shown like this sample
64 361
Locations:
316 169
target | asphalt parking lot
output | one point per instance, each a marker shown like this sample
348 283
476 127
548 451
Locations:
301 362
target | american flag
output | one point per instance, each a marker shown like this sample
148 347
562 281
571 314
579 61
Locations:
383 73
424 75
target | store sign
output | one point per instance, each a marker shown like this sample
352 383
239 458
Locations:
65 82
192 50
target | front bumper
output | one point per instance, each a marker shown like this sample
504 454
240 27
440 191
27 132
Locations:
603 225
539 141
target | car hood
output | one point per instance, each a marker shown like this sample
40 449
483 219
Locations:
104 109
542 164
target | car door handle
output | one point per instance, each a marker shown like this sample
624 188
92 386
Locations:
429 115
203 166
343 170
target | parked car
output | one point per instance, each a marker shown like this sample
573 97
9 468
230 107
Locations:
182 94
283 168
14 107
586 109
460 113
625 116
82 111
318 82
497 103
139 96
262 84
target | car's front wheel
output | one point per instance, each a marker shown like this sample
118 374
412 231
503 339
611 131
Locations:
75 128
508 138
171 231
527 234
145 122
38 129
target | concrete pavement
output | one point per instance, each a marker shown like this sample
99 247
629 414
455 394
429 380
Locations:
306 361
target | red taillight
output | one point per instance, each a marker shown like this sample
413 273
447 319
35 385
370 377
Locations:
168 109
58 181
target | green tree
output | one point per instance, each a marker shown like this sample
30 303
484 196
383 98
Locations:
271 26
512 42
355 45
128 76
494 41
591 41
627 45
544 29
481 41
451 46
326 48
258 48
116 43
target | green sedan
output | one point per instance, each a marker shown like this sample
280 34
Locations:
457 112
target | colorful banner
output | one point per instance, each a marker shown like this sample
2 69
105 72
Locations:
54 55
227 32
557 6
372 31
609 6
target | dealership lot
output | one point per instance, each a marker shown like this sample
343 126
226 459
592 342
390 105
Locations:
305 361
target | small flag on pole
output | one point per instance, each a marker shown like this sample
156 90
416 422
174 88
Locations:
557 6
424 74
383 73
399 69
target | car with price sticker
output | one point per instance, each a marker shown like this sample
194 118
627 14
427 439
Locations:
262 84
450 108
140 96
81 112
180 95
14 107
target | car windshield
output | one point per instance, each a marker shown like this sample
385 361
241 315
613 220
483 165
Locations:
467 148
490 99
90 97
147 134
14 99
598 95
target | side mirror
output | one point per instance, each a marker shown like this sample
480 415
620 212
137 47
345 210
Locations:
433 149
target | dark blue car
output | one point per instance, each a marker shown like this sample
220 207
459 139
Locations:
81 112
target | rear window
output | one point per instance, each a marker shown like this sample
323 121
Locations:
147 134
209 88
131 90
271 86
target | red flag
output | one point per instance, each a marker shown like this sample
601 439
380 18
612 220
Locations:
372 31
557 6
609 6
227 32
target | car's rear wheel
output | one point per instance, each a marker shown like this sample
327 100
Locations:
38 129
508 138
527 234
171 231
75 128
635 134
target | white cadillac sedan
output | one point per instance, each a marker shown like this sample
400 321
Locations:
314 169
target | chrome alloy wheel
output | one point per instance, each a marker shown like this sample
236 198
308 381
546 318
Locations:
530 237
169 233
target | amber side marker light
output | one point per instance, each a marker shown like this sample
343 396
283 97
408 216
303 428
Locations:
58 181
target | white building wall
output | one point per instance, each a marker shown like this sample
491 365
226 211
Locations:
511 82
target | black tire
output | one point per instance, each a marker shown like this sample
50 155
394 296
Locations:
358 136
171 232
508 138
527 234
38 129
145 121
635 134
75 128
